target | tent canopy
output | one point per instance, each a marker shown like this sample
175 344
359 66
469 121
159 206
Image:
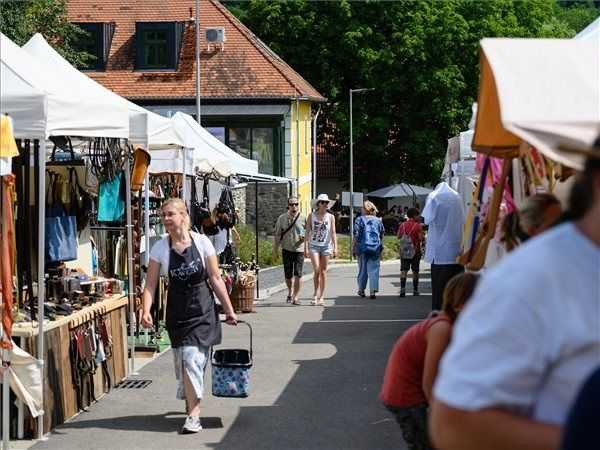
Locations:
591 32
542 91
158 131
400 190
70 110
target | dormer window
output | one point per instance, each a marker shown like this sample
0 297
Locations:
96 42
158 45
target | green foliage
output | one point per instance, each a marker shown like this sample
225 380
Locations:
420 55
20 20
247 248
390 248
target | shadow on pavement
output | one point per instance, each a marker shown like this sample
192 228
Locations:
346 385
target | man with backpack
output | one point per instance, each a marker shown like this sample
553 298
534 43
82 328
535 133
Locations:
410 234
289 233
367 243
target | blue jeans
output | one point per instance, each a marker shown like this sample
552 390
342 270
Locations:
368 268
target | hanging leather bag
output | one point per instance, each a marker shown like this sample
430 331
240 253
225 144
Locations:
60 228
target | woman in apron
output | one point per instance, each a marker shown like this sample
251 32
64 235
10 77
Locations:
192 321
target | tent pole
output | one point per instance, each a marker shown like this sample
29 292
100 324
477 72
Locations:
130 282
184 176
40 154
147 218
5 390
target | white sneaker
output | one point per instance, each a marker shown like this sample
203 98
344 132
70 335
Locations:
192 425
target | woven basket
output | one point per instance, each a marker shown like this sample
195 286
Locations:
242 297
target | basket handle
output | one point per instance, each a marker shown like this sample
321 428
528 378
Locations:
249 328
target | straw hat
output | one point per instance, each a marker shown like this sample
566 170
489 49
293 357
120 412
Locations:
322 198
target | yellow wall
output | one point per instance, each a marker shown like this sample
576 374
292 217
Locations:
301 150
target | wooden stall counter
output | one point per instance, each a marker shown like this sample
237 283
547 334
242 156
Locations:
66 389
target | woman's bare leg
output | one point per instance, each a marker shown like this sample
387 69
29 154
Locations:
191 401
314 259
323 262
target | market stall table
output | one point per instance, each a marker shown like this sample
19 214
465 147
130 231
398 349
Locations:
60 399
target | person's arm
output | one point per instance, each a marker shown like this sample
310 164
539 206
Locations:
489 429
307 231
333 235
437 337
236 236
152 276
218 286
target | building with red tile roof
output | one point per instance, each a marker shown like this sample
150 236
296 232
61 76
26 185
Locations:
250 98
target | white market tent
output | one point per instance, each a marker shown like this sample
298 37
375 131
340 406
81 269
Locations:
591 32
70 111
43 106
542 91
158 132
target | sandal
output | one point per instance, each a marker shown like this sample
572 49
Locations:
321 302
288 299
296 302
315 301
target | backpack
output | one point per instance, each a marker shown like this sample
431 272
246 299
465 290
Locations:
370 242
407 247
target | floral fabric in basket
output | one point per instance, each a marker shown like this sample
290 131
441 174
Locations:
230 381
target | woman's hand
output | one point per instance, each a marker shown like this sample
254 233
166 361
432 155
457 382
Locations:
147 320
306 255
334 253
231 318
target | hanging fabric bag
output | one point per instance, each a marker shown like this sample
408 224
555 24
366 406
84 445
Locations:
111 201
60 229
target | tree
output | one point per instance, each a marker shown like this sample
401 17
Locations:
421 56
19 20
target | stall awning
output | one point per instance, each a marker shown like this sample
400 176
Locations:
70 110
543 91
144 125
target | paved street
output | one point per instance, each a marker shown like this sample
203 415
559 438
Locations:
314 384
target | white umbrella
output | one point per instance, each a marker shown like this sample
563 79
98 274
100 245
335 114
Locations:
400 190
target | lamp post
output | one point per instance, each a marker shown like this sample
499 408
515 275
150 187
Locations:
197 62
352 168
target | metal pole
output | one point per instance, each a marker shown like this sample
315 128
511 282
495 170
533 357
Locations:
198 115
256 231
351 180
5 392
298 148
41 260
184 151
314 165
130 282
147 218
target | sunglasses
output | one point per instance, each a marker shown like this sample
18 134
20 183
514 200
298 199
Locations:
323 202
292 204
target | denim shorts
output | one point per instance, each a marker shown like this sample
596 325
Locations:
192 359
321 251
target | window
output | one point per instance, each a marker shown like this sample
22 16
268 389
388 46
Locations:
240 141
96 41
218 132
261 139
262 149
158 45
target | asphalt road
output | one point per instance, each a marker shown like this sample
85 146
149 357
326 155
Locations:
314 384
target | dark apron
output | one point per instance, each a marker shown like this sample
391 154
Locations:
192 317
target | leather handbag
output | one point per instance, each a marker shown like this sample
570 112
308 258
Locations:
60 231
111 199
141 162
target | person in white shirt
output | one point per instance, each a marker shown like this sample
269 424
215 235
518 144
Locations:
528 339
444 214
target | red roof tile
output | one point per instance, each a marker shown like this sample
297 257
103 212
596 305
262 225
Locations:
245 68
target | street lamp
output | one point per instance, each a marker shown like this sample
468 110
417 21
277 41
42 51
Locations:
352 168
197 26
